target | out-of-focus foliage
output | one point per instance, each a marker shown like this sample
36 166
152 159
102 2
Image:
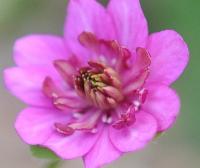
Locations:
43 153
183 16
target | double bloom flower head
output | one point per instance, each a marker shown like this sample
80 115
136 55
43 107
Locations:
101 90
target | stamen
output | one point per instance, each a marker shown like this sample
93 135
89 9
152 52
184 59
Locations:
137 82
126 119
89 123
50 89
99 84
65 103
140 65
110 48
139 98
63 129
67 68
113 92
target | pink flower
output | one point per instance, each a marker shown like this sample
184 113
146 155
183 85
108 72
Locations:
103 89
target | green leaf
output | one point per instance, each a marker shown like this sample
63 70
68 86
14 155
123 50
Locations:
54 164
44 153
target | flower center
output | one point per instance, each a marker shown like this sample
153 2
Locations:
99 84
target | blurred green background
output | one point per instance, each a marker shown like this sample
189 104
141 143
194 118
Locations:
179 147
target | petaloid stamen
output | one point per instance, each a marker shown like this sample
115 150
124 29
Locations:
100 88
126 119
99 84
86 123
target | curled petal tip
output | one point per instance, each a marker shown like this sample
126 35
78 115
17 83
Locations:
63 129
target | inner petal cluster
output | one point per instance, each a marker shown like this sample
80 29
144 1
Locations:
99 84
105 91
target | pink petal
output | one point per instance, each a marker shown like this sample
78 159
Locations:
142 61
67 68
164 104
90 41
69 147
169 55
35 125
69 102
26 84
130 23
136 136
50 88
102 153
39 50
88 16
140 66
136 83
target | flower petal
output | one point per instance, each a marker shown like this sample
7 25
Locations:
169 55
26 84
35 125
39 50
88 16
102 153
75 145
136 136
130 23
163 103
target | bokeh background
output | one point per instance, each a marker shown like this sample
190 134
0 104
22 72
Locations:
179 147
